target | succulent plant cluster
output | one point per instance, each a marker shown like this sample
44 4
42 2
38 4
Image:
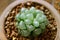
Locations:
31 22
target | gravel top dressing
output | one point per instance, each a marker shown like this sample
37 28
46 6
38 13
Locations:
30 21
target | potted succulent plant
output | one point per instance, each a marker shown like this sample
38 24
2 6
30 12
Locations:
30 20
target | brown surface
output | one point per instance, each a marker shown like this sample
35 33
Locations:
56 4
49 1
4 4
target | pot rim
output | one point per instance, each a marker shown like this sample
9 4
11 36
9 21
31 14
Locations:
15 3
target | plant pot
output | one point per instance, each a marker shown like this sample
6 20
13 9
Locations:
12 5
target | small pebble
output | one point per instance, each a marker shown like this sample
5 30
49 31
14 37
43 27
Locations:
14 38
28 4
42 7
13 12
11 23
7 22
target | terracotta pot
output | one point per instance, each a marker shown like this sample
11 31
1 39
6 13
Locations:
12 5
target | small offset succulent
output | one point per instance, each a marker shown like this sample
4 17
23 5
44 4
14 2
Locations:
31 22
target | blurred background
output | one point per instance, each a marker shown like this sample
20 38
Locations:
5 3
55 3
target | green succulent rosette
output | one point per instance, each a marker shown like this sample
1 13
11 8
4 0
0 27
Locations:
31 22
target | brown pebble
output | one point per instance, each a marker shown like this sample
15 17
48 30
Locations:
42 7
28 3
37 7
47 12
36 38
21 38
12 27
16 34
50 16
24 38
50 26
14 38
7 22
13 12
54 23
7 36
12 34
6 27
11 23
8 31
27 39
51 22
43 39
11 17
53 28
8 18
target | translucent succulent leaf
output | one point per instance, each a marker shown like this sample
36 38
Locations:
17 17
34 35
40 19
22 25
23 10
38 15
25 33
22 16
37 31
32 9
16 23
30 28
19 31
42 26
27 21
39 11
36 23
46 22
29 16
26 11
43 16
